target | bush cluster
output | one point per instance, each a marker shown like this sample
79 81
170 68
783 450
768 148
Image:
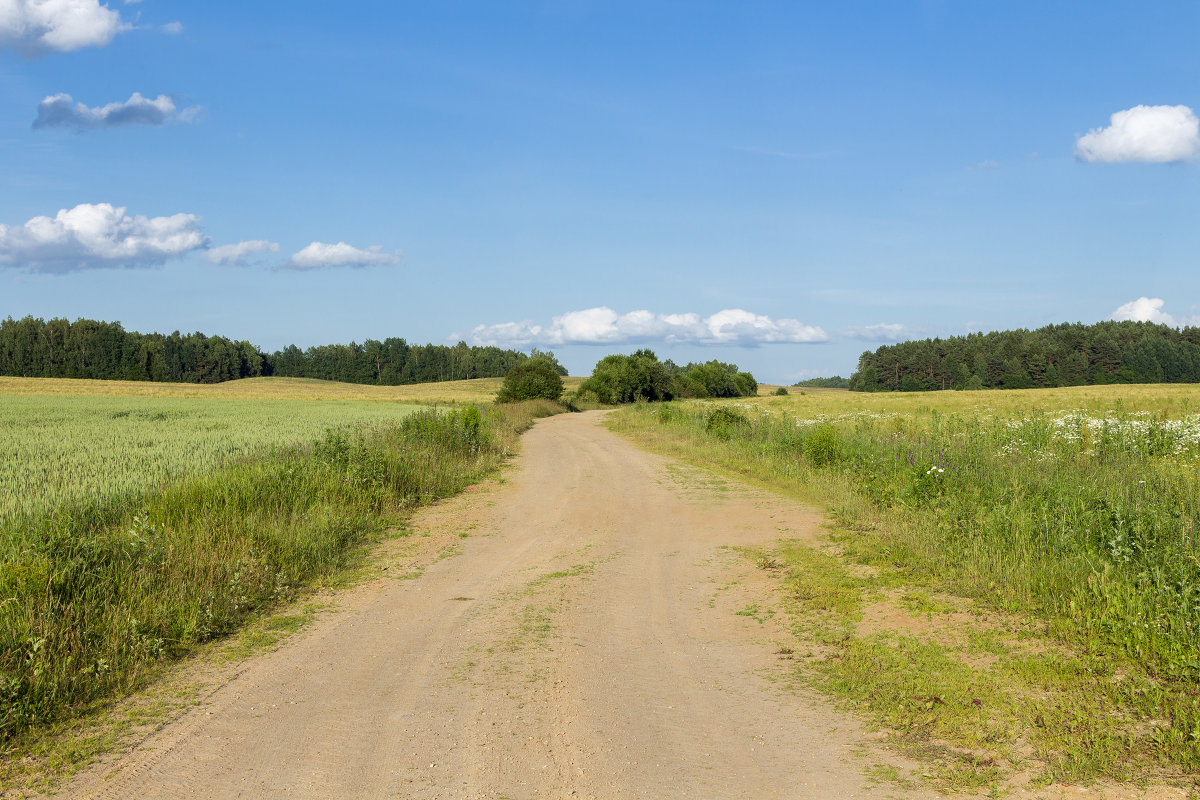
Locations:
534 379
641 376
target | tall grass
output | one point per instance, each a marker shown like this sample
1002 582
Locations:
62 450
1085 521
95 594
1090 522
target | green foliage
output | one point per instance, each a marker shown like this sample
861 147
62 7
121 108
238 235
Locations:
532 379
723 422
836 382
628 378
713 379
1056 355
98 591
641 376
781 392
548 355
34 348
822 445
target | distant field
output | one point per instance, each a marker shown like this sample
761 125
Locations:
1170 399
481 390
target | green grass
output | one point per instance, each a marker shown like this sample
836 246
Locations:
98 594
1075 511
58 451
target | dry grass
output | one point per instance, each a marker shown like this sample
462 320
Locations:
1168 400
479 390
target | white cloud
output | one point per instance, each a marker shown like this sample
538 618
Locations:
1150 309
240 253
35 27
602 325
91 236
1155 134
882 332
58 111
320 254
173 28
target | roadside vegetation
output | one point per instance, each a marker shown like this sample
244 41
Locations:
1042 546
533 379
177 521
618 379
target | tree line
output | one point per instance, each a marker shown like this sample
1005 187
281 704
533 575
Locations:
836 382
1069 354
35 348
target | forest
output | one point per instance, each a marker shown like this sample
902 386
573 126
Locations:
1069 354
35 348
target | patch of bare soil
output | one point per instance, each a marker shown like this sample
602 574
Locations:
581 629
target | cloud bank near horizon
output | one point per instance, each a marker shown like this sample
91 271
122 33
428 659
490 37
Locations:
881 332
602 325
61 111
1150 309
98 235
1151 134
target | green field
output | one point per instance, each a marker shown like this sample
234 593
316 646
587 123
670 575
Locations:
61 451
141 519
1069 519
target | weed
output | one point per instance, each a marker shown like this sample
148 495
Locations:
723 422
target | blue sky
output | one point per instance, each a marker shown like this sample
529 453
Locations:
782 185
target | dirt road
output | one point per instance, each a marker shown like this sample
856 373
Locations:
571 631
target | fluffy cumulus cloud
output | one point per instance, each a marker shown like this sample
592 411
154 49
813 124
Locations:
35 27
60 110
602 325
241 253
1150 309
1156 134
319 254
98 235
883 332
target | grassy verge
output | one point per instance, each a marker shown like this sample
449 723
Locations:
1007 595
95 598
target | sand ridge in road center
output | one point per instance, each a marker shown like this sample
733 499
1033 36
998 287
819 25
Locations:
581 640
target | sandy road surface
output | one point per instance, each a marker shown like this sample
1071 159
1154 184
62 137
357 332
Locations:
580 641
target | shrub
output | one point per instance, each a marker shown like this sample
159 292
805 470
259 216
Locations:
781 392
823 446
532 379
713 379
724 422
627 379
